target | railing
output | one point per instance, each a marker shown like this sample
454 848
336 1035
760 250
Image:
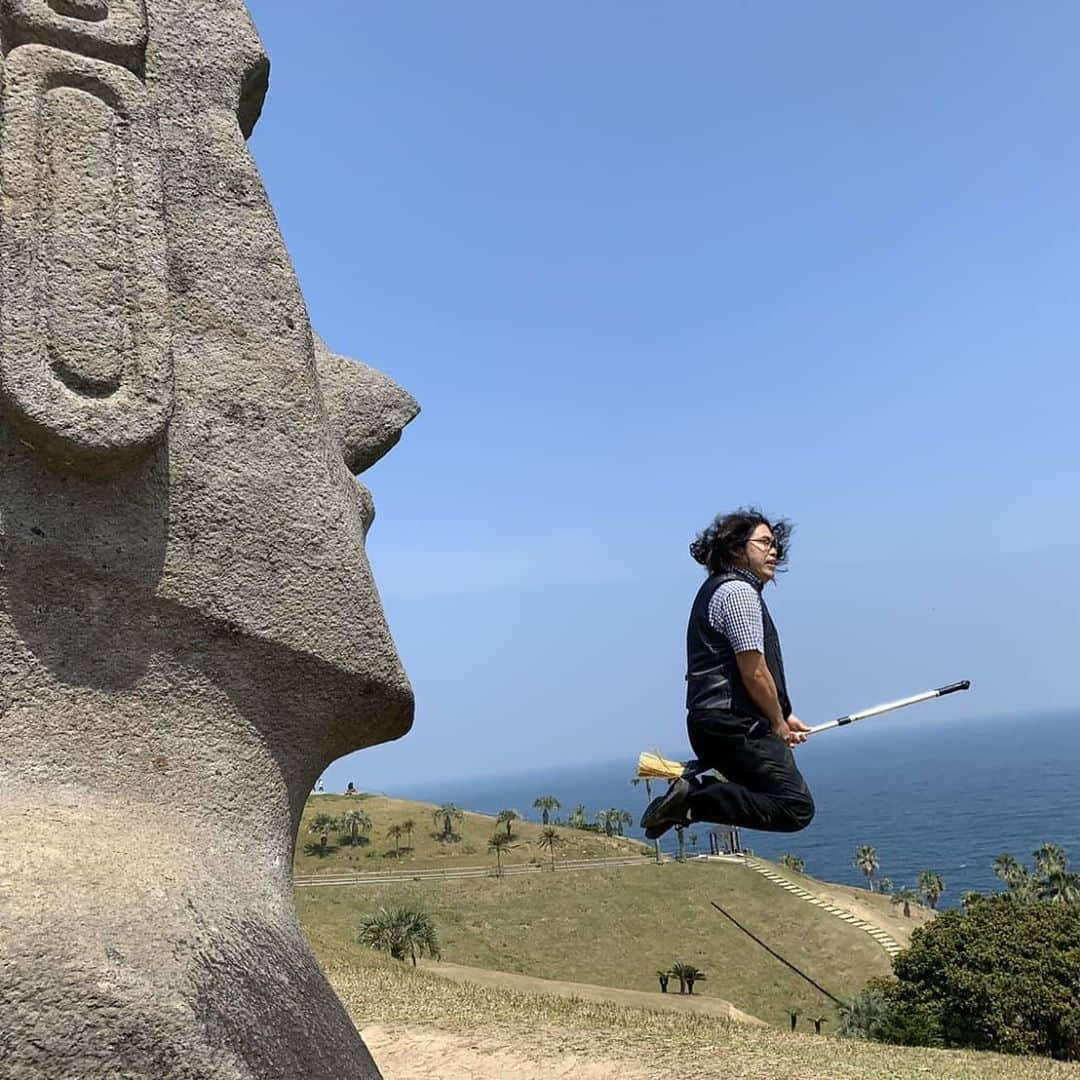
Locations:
382 877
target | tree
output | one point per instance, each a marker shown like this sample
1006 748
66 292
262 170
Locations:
794 1014
1050 879
400 931
996 975
680 832
545 804
507 818
1051 861
817 1021
664 977
499 843
407 827
578 817
355 822
931 886
907 897
794 862
395 832
322 826
865 1015
687 975
884 886
635 780
867 861
446 815
550 839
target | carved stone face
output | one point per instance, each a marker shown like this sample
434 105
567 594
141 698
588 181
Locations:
189 630
166 418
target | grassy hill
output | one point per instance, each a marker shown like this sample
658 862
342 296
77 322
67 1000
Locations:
614 926
405 1011
423 848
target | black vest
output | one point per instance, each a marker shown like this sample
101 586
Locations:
713 681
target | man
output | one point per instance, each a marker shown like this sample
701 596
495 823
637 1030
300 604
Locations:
739 716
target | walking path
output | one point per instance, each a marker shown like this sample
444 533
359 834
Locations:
886 941
644 999
383 877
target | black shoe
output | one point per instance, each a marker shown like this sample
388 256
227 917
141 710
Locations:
671 808
658 830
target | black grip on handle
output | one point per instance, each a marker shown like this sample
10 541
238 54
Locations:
964 684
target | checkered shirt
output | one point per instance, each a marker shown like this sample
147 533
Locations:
735 611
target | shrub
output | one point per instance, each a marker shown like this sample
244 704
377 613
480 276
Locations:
995 976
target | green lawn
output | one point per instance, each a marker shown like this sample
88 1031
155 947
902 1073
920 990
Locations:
617 927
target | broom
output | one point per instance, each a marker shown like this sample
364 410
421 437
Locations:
655 767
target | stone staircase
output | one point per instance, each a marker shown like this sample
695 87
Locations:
889 944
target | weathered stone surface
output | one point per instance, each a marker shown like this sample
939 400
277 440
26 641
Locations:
189 630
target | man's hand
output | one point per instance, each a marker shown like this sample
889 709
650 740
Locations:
793 731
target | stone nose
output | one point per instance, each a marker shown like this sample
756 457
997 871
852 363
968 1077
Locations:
367 410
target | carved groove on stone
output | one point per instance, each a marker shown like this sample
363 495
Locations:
85 363
111 30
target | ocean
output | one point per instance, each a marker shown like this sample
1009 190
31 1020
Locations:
925 794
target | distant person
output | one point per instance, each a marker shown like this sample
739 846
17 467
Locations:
351 790
739 716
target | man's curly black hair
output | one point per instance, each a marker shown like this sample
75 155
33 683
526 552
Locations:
721 544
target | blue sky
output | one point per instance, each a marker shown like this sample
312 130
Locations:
641 263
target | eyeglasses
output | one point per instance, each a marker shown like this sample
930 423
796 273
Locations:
765 543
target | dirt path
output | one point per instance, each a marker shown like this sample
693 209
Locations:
423 1053
641 999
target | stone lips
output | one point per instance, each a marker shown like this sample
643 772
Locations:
189 628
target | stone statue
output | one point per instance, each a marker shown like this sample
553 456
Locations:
189 630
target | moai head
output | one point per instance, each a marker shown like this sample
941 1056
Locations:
189 630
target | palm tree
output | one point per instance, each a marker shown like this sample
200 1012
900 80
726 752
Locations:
407 827
817 1021
1050 859
793 862
400 931
623 819
1061 887
578 817
606 821
680 832
545 804
356 822
447 814
496 844
884 886
907 897
323 825
794 1014
931 886
395 832
635 780
550 839
507 818
687 975
663 976
867 861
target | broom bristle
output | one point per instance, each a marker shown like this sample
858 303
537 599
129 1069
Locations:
654 767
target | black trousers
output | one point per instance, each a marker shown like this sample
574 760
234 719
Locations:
763 790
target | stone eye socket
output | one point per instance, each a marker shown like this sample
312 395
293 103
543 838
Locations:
87 10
